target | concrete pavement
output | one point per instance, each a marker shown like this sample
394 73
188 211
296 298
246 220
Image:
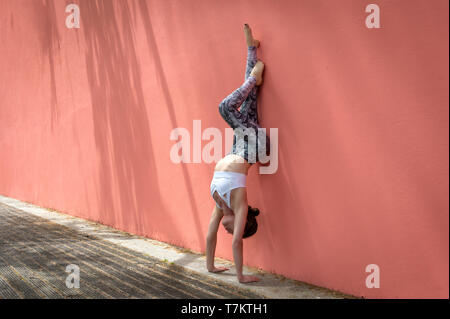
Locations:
37 245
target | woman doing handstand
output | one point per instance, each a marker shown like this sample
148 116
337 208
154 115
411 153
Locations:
228 186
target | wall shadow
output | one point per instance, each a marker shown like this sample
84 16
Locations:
153 48
46 28
128 190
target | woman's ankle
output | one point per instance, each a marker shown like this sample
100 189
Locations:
254 44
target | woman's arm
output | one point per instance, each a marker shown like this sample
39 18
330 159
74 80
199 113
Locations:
240 219
211 240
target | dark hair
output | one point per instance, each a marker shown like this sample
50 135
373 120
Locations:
252 225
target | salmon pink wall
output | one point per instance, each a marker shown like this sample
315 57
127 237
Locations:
362 118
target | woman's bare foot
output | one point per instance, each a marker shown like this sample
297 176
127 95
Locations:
257 72
249 37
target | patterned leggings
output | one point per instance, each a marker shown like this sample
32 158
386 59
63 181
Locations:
245 119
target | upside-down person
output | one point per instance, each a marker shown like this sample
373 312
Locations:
228 186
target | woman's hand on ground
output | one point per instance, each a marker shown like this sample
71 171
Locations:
218 269
247 279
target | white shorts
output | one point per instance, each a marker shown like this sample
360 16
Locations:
225 182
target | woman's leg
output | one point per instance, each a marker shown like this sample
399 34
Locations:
251 60
249 107
229 107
